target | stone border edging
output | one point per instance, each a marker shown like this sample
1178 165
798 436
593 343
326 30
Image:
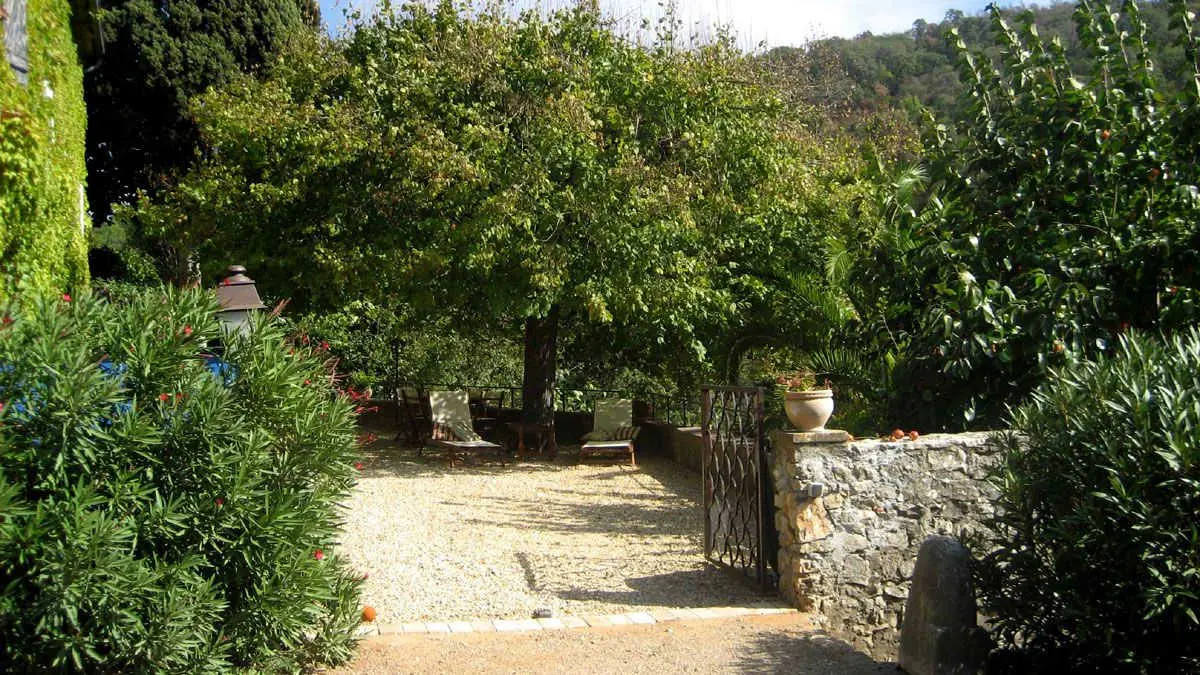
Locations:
569 622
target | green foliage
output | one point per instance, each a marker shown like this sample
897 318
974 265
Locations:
42 213
490 169
1065 210
164 512
1098 564
376 346
157 57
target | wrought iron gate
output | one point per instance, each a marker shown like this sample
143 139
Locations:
736 520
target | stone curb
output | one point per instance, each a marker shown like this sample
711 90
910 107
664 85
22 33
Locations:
571 622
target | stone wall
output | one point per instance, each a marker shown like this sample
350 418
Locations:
852 514
681 444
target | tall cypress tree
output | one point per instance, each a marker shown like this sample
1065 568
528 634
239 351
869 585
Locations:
157 55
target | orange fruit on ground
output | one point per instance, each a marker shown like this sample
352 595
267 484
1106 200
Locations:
368 614
913 435
897 434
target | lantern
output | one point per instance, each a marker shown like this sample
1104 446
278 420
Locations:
238 298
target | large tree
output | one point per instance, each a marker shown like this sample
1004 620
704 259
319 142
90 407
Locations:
156 57
537 172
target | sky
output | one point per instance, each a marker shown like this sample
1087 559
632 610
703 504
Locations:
775 22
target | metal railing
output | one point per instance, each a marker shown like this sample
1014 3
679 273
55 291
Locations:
675 410
680 411
509 396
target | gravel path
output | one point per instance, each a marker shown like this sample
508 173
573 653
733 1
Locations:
499 542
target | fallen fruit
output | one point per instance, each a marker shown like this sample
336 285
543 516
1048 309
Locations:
913 435
368 614
897 434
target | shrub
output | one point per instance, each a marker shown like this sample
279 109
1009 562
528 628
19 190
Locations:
1099 565
164 509
1065 208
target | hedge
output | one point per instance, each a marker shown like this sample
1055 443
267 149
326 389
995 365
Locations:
43 212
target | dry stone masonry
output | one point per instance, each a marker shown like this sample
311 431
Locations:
852 515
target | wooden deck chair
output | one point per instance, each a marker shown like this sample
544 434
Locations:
612 431
413 409
452 430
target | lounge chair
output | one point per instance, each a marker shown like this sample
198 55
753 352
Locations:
612 431
452 429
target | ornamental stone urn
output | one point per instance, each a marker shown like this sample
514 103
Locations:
808 410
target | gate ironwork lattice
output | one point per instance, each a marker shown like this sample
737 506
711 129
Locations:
734 468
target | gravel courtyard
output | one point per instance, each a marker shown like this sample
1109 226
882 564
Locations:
498 542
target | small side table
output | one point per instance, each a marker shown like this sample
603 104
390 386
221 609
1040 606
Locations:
544 433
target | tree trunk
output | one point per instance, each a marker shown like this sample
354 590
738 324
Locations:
537 391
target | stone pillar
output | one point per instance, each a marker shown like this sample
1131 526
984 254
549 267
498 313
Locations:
851 515
800 515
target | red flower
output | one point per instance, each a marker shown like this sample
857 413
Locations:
366 576
324 346
358 466
179 395
220 502
187 331
319 554
304 339
308 382
1 406
164 397
6 321
66 297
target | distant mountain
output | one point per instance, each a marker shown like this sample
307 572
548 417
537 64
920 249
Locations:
873 71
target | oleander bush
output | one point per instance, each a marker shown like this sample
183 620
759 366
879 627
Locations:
168 505
1098 569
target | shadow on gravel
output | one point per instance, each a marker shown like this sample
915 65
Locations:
387 458
784 652
549 515
705 587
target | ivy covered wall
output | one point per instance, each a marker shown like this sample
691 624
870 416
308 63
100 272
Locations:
43 211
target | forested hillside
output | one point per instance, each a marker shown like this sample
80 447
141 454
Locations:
873 71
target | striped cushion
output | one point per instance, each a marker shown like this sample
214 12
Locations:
624 433
463 431
441 432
